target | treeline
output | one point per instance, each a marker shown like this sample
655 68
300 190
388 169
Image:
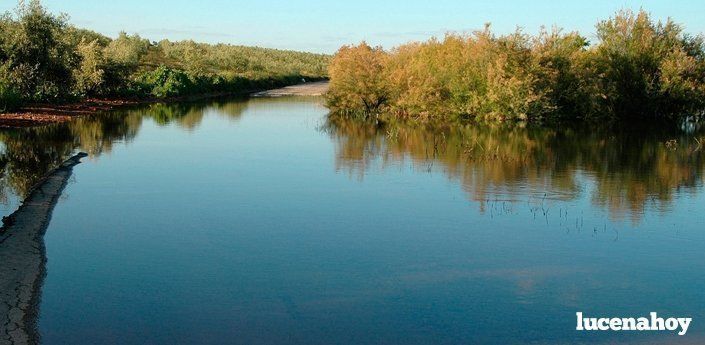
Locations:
637 69
45 59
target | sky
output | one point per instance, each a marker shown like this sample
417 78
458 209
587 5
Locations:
325 25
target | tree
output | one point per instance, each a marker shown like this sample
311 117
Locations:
357 80
89 74
648 69
37 58
127 49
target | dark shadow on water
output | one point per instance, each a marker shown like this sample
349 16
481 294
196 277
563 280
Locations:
23 256
29 153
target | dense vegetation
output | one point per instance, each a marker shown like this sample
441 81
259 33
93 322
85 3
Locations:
45 59
638 69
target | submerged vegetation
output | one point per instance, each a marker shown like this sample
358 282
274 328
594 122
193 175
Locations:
45 59
638 69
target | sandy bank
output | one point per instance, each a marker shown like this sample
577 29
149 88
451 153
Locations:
317 88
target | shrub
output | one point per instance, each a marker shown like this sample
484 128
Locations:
638 69
89 75
648 69
357 79
9 98
127 50
166 82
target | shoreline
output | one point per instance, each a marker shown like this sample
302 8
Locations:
33 115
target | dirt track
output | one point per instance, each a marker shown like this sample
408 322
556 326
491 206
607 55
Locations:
317 88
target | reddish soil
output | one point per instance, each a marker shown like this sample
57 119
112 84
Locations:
42 114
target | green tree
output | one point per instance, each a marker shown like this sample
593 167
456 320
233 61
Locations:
37 58
647 68
127 49
90 73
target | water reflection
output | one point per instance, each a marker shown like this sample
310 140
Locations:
624 170
23 257
258 238
630 169
27 154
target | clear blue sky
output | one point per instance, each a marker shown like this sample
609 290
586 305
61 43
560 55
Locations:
324 25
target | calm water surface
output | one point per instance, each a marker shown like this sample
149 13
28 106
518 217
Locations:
259 222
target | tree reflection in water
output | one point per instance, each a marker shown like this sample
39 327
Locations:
27 154
626 171
630 168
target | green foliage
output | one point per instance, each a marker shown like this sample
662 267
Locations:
9 98
43 58
166 82
127 50
74 36
231 61
35 53
647 68
638 69
89 75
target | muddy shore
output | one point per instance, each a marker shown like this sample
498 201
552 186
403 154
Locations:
42 114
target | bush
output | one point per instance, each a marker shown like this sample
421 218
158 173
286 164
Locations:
647 69
89 75
9 98
357 79
166 82
638 70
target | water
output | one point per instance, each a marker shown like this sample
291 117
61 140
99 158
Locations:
260 222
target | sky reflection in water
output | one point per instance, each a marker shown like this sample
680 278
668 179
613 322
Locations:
261 222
